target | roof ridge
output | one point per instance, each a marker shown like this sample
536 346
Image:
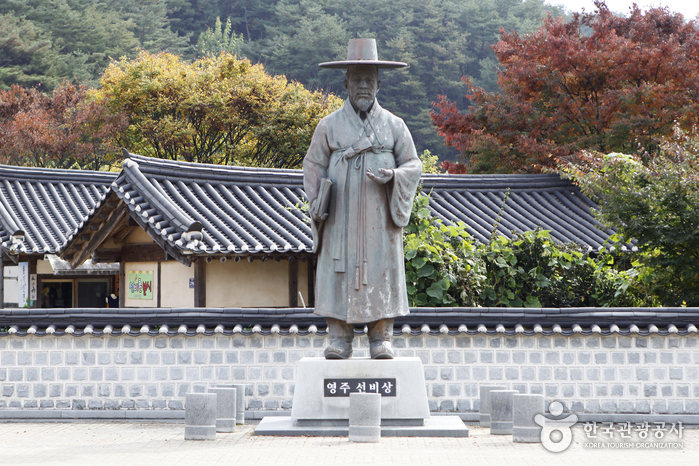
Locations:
152 162
11 172
179 218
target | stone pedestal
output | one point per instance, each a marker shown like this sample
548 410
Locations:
225 408
365 417
321 405
501 411
485 402
200 416
400 381
525 430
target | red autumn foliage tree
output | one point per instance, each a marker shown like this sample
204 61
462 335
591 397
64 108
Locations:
620 86
63 129
453 168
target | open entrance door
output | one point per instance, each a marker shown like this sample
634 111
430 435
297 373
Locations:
93 292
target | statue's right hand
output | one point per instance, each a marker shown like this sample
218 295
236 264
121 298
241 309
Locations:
314 214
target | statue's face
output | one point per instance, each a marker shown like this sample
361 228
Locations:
362 84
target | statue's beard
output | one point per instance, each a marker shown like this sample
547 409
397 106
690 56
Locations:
363 103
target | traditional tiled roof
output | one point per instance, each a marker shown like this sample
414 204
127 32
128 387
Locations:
198 209
235 209
534 201
286 321
41 208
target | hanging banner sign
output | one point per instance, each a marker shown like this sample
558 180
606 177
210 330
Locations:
23 284
32 287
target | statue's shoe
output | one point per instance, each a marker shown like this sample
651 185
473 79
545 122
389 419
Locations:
381 350
338 349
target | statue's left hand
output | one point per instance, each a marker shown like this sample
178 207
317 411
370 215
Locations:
385 175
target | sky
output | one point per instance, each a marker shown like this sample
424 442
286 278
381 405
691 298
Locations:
689 8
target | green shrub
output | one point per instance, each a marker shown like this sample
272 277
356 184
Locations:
445 266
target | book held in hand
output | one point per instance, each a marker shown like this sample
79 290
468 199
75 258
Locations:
322 204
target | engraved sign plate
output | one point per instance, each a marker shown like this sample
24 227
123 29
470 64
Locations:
343 387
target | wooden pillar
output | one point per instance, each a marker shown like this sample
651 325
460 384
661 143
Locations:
200 282
122 283
311 264
293 282
159 287
39 295
2 278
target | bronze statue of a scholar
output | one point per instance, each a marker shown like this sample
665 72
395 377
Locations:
360 175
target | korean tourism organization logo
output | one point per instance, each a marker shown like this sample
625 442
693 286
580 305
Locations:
640 436
556 434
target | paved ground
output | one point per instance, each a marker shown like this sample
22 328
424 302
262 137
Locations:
152 444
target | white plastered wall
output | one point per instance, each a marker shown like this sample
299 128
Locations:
44 267
247 284
138 235
174 283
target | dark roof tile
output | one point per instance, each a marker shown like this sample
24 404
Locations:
47 205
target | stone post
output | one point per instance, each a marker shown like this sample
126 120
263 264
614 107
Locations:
225 408
485 402
365 417
239 401
200 416
525 430
501 411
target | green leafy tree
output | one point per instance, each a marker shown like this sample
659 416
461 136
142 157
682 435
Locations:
656 205
80 37
441 40
148 21
215 110
25 52
293 47
218 39
84 36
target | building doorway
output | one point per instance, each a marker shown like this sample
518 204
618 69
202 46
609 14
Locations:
57 293
76 292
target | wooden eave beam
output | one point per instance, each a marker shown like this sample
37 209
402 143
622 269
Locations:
102 255
100 235
121 231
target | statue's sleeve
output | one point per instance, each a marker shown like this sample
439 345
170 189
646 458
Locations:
315 168
406 175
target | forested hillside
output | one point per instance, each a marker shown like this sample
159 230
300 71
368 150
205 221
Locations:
43 42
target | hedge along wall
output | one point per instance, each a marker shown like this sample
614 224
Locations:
644 368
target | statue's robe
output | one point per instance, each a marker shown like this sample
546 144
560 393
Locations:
360 275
